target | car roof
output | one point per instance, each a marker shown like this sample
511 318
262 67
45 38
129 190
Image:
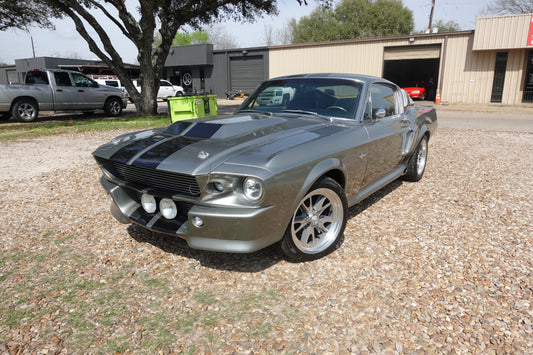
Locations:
367 79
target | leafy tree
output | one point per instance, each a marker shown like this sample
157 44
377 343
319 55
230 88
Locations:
139 21
448 26
186 38
510 7
352 19
23 14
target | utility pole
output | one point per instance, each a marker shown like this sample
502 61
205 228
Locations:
32 46
431 16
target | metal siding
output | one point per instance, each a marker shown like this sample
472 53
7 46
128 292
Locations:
502 32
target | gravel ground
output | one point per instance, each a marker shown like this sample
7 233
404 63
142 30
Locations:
444 265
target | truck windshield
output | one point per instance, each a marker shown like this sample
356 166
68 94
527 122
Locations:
36 77
322 96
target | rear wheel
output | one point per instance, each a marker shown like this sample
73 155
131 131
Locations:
317 225
113 107
25 110
417 163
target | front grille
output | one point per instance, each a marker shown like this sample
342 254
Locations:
158 180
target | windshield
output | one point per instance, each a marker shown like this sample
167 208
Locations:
326 97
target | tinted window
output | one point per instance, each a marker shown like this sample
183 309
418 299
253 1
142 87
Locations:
383 96
36 77
62 79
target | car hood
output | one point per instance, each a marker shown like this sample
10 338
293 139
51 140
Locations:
221 144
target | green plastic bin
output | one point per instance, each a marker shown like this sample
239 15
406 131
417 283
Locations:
187 107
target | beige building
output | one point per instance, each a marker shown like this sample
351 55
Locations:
493 64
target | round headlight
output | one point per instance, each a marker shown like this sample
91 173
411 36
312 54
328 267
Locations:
168 208
253 188
148 203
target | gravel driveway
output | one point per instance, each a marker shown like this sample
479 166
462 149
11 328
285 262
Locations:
440 266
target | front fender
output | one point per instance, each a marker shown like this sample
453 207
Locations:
331 166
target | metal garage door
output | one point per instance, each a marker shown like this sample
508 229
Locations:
246 73
412 52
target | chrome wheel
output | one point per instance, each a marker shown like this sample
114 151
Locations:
25 110
421 157
318 221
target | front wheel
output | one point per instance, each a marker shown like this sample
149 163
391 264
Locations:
179 93
417 163
25 110
317 225
113 107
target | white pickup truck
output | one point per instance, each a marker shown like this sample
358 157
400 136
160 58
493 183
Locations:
58 90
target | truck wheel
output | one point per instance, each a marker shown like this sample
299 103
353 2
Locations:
317 225
25 110
417 163
113 107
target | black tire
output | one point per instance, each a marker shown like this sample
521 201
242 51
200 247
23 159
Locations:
317 225
417 163
113 107
4 116
423 96
25 110
179 93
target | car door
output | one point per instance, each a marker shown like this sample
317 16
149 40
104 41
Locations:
387 129
65 94
89 96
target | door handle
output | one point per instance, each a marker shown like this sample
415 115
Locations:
60 90
81 90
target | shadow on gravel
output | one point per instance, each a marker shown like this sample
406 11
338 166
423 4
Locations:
253 262
374 198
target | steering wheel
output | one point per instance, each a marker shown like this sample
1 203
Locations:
336 108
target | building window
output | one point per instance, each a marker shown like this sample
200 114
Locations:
499 77
528 85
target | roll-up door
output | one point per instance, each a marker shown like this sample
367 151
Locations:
246 73
412 52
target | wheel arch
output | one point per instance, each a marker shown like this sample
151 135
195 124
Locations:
331 168
24 97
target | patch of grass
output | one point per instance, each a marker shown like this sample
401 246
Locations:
205 297
39 129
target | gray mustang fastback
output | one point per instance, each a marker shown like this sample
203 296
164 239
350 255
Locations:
284 167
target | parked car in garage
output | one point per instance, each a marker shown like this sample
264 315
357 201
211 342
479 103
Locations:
270 172
416 92
58 90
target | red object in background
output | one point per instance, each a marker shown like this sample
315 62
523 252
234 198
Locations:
416 92
530 35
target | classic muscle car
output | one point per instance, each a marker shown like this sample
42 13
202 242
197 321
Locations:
283 171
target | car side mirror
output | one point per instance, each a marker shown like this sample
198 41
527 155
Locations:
379 113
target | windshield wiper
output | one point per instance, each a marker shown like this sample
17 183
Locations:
256 111
312 113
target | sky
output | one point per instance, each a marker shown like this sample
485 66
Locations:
66 42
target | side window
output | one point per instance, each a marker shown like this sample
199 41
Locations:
62 79
83 81
36 77
383 96
163 83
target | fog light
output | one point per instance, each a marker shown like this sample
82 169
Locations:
198 222
168 208
148 203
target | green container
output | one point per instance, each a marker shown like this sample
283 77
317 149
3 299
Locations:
187 107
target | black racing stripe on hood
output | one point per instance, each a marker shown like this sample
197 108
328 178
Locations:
203 130
127 152
153 157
